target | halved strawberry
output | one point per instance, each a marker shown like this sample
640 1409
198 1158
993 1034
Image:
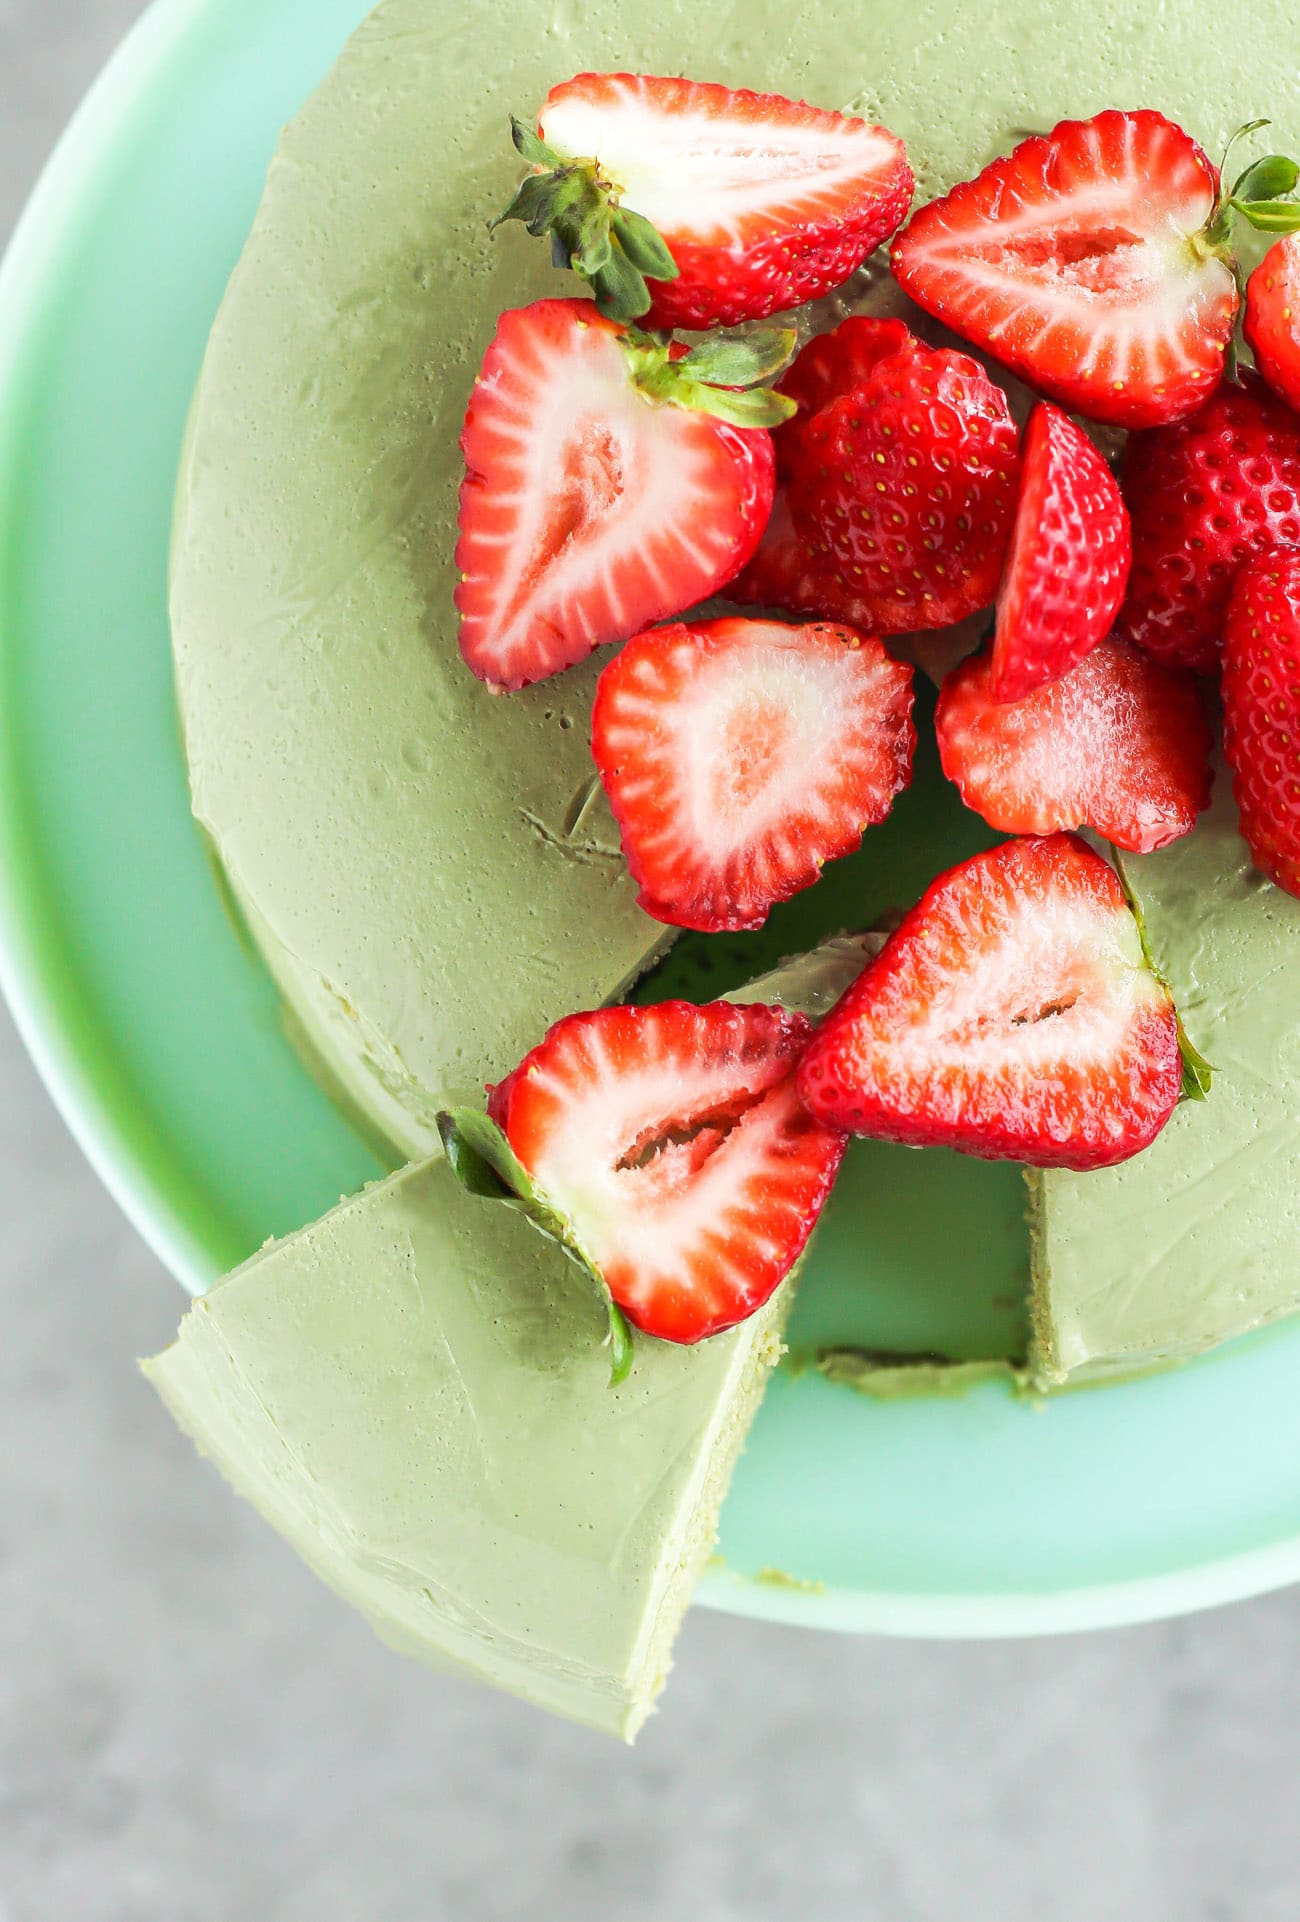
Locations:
1120 744
740 756
1261 708
1272 324
1203 497
1013 1015
904 489
667 1148
1082 261
700 205
599 495
1069 558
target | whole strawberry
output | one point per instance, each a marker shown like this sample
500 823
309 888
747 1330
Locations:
905 489
1204 496
703 206
1261 708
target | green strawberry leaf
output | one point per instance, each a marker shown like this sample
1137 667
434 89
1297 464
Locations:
1267 179
1269 216
619 288
644 245
753 407
1198 1075
739 360
482 1160
531 147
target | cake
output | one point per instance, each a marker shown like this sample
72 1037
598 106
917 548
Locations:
435 878
415 1392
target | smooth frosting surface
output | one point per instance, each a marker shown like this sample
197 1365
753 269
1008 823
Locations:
415 1392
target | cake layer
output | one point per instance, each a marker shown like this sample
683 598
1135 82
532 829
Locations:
414 854
415 1392
1199 1237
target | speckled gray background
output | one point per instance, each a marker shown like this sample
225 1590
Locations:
192 1731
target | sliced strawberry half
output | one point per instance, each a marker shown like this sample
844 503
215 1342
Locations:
1272 324
904 489
1081 261
1013 1015
1204 496
673 1155
1069 558
598 494
740 756
1120 744
703 206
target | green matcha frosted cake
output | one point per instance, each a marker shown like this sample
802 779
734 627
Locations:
472 759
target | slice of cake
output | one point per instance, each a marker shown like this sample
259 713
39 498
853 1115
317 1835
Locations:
1195 1239
415 1393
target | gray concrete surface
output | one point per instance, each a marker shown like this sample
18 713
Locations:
192 1731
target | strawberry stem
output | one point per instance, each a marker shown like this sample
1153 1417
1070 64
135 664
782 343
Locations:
484 1163
614 249
1198 1075
725 375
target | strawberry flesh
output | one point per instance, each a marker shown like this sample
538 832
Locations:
740 755
1121 744
1261 706
589 510
1203 497
904 489
672 1141
1069 558
1011 1016
764 203
1077 262
1272 323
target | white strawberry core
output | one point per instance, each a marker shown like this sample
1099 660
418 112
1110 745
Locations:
598 476
709 175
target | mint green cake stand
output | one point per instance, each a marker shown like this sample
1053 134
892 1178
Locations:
161 1039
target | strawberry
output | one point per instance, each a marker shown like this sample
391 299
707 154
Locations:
740 756
1272 323
904 489
609 482
1203 497
1261 707
1120 744
701 206
1085 261
666 1150
1012 1015
1069 558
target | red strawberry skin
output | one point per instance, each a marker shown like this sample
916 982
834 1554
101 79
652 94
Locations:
588 511
1069 558
1010 1016
1203 497
832 364
1074 261
1120 744
1261 707
1272 323
764 203
673 1141
905 489
785 573
739 756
